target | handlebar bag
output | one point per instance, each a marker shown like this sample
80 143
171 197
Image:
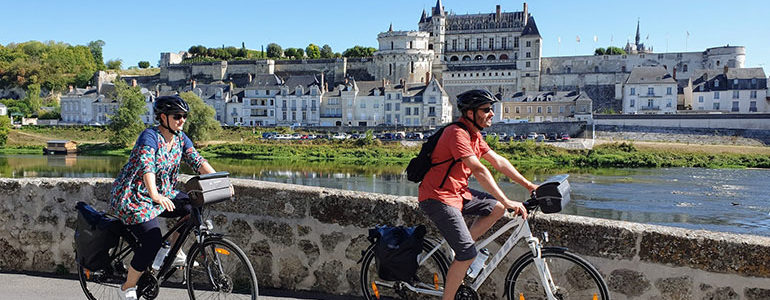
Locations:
208 189
553 195
94 236
396 250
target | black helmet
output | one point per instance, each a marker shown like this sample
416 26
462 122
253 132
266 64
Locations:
473 99
170 105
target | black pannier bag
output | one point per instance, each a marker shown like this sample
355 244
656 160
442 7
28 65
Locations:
420 165
553 194
95 235
396 250
208 189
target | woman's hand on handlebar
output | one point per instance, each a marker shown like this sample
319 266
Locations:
164 202
517 208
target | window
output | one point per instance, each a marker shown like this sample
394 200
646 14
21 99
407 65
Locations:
540 109
668 90
650 103
478 44
416 111
528 55
363 104
548 110
735 106
398 106
700 99
596 69
633 91
528 65
684 68
561 109
633 103
408 111
753 106
431 111
491 44
716 83
716 95
650 91
454 44
284 115
716 105
529 44
753 95
668 104
506 109
735 94
735 82
529 109
517 110
467 44
515 42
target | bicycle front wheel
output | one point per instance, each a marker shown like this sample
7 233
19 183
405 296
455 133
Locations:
431 275
573 277
218 269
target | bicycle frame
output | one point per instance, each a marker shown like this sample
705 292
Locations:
521 231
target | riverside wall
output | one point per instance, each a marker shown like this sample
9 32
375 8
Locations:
310 238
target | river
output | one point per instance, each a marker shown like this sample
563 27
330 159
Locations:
728 200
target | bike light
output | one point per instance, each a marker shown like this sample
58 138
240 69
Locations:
222 251
521 296
435 280
596 297
88 273
376 292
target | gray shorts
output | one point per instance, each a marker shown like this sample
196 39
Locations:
449 221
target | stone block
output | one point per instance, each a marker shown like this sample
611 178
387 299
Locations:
277 232
675 288
724 293
357 247
327 277
291 272
330 241
628 282
593 237
757 294
310 249
261 258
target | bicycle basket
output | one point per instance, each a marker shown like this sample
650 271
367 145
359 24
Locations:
208 189
94 236
553 194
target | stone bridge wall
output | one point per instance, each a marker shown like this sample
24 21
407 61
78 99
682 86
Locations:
309 238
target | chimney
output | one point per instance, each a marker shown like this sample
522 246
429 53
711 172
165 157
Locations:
526 14
674 75
133 82
326 87
250 78
71 88
497 12
323 83
427 78
231 86
725 70
194 84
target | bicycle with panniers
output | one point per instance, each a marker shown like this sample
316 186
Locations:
215 266
543 272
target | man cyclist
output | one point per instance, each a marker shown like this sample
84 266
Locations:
145 187
446 201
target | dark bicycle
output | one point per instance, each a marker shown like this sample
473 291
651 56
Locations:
215 267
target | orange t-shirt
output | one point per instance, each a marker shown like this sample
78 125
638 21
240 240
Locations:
454 143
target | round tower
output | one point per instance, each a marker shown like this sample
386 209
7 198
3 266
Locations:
403 55
730 56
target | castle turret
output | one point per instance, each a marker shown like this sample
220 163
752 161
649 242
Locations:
439 9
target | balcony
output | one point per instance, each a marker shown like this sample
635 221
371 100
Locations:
258 115
649 108
431 114
331 115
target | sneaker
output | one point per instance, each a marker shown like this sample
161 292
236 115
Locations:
129 294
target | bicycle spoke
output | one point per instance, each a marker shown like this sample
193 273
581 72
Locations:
572 279
220 271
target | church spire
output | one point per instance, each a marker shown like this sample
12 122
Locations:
637 32
423 17
391 28
439 9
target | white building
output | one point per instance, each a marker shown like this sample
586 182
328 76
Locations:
77 106
216 95
299 101
3 110
649 90
737 90
258 100
553 106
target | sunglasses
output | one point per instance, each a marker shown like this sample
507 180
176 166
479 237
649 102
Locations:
486 109
180 116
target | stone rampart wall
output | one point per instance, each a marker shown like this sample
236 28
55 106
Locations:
309 238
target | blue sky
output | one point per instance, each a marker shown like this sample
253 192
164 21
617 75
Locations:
140 30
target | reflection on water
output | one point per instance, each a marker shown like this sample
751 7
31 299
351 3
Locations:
720 200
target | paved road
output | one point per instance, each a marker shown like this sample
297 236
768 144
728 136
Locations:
23 286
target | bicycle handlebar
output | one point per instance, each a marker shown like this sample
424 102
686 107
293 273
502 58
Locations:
530 204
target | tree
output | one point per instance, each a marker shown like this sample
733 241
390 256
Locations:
115 64
614 51
201 124
313 52
144 64
326 52
5 128
290 53
599 51
126 124
274 51
34 102
96 51
359 51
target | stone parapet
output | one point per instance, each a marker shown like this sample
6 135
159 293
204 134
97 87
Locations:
310 238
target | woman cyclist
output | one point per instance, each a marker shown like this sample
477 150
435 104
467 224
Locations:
144 189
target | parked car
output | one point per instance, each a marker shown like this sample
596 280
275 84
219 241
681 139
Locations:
565 137
532 136
399 135
540 138
339 136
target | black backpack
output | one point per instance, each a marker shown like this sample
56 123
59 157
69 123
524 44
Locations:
95 234
420 165
396 250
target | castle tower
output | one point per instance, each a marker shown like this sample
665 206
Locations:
403 55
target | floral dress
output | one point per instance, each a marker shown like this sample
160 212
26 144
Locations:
130 200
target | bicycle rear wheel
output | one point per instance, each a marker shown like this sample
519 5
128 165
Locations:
219 269
573 276
430 275
102 284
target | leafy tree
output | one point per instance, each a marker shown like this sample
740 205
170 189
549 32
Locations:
359 51
614 51
201 124
291 53
144 64
313 52
599 51
274 51
126 124
34 102
326 52
115 64
96 52
5 128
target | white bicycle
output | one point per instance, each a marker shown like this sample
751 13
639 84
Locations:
543 272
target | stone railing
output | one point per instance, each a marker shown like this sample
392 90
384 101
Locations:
309 238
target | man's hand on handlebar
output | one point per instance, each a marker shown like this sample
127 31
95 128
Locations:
517 208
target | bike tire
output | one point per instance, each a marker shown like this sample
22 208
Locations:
102 284
574 276
218 268
436 264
